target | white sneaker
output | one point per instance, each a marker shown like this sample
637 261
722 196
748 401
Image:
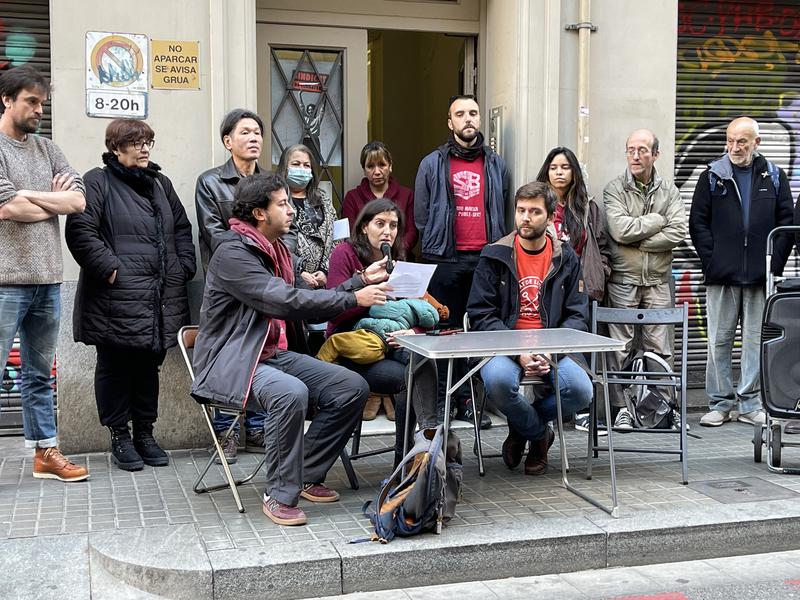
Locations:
582 424
624 420
676 420
715 418
754 417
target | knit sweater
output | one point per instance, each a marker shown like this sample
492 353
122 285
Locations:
30 253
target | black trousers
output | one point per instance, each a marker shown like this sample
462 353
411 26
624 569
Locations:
126 385
450 285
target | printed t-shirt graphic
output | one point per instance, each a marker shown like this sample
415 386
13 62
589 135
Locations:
469 191
532 268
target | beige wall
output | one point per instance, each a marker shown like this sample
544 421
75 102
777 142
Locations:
633 82
185 121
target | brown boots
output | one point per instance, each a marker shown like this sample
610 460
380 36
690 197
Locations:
373 407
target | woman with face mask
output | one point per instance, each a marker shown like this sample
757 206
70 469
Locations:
311 234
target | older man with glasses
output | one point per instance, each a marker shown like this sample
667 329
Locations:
646 220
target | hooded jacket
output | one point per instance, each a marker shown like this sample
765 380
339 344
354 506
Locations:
357 198
644 228
730 252
242 293
434 204
133 224
494 298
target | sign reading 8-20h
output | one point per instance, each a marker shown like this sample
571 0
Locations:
116 74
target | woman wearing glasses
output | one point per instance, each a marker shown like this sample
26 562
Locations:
134 246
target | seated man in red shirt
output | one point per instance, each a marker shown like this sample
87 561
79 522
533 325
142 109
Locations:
530 280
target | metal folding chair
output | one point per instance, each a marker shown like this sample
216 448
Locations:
186 339
535 385
674 379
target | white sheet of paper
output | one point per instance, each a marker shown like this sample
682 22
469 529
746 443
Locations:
410 280
341 229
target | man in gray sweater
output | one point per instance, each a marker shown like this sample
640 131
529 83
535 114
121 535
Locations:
36 185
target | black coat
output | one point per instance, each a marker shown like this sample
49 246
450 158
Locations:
732 254
137 227
494 297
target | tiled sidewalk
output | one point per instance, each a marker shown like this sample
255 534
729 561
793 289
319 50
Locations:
113 499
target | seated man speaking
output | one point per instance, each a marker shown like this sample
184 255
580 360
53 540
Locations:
249 330
530 280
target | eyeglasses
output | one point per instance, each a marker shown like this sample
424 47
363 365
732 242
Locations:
640 151
142 143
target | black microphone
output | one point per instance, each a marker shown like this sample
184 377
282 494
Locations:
386 250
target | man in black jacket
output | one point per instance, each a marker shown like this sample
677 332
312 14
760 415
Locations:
242 134
530 280
250 327
738 200
460 201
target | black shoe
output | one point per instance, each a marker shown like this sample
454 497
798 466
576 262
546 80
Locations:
255 441
513 449
466 410
123 452
147 447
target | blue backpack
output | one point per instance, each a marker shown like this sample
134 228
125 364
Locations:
410 506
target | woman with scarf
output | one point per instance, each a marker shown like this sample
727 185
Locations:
311 234
378 182
134 246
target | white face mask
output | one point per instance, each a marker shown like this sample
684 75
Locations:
298 177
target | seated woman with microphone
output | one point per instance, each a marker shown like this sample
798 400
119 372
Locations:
376 234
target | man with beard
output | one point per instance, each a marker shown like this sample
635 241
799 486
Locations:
242 134
251 347
530 280
738 200
36 185
460 198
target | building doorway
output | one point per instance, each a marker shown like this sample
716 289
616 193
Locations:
412 75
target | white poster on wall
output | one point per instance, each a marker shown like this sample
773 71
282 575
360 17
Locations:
117 74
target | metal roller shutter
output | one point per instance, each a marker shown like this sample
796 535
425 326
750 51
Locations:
24 39
734 58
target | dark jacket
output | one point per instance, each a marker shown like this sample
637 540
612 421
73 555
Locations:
241 294
596 256
142 232
213 199
494 298
434 206
730 253
359 196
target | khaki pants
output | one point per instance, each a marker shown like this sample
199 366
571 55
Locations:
655 338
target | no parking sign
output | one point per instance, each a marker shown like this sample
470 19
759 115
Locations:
116 74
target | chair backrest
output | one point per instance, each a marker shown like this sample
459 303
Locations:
186 338
646 316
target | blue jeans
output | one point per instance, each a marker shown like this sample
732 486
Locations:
501 377
34 312
253 421
728 305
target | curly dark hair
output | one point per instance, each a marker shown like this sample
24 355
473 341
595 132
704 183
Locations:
255 192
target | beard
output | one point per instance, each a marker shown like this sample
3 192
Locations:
468 138
26 126
532 232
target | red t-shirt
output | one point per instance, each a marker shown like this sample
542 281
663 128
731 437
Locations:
562 234
469 190
532 268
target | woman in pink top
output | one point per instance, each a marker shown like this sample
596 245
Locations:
379 183
381 222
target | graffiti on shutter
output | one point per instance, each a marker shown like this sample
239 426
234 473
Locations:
734 58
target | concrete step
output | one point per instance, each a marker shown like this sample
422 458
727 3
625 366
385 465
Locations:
161 561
